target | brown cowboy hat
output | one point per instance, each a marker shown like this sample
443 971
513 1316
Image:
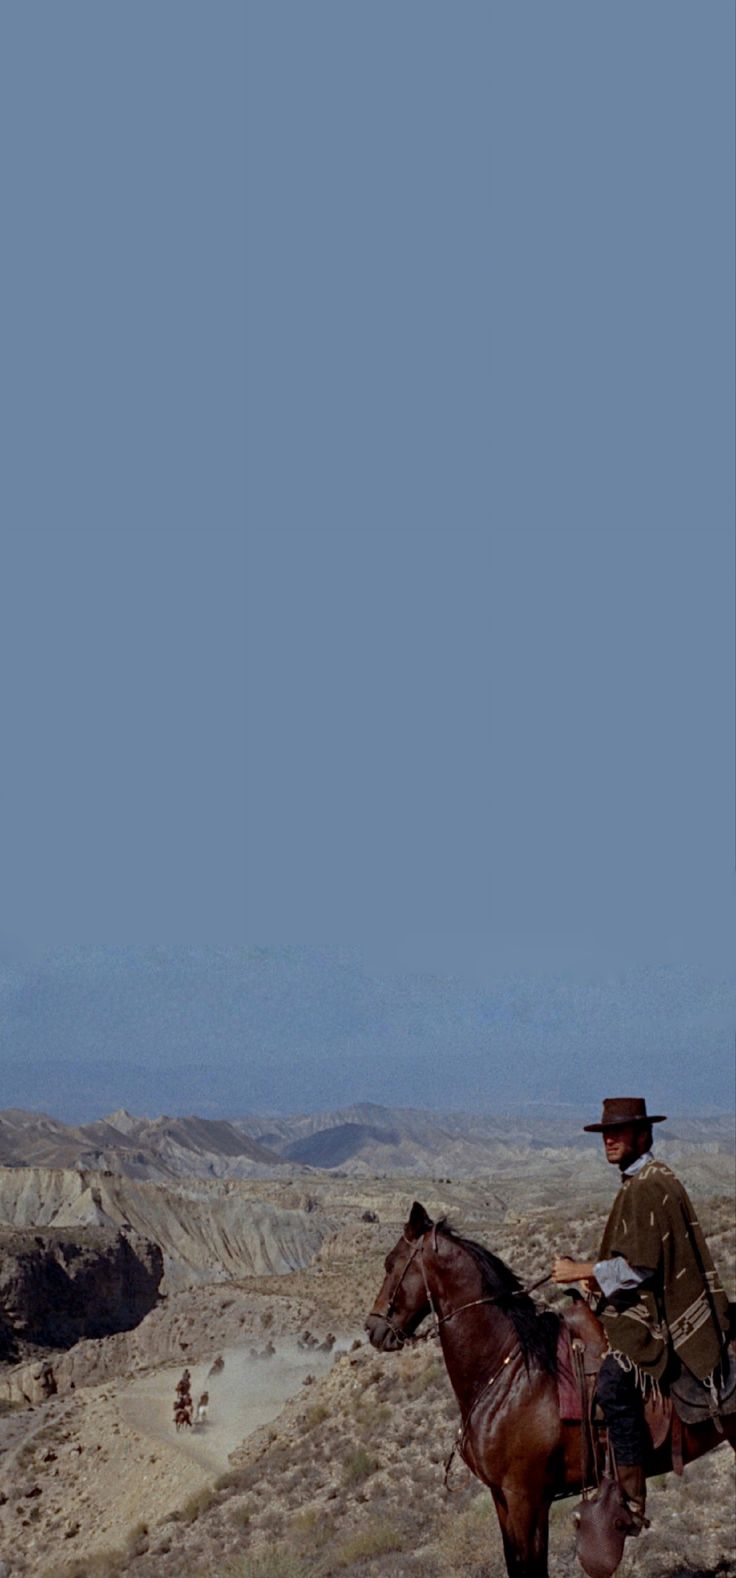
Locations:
623 1109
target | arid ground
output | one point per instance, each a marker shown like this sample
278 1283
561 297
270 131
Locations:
316 1458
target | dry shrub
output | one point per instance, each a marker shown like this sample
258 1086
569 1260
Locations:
371 1417
465 1540
200 1502
380 1540
278 1562
315 1416
241 1514
358 1465
104 1564
272 1522
235 1479
432 1375
314 1529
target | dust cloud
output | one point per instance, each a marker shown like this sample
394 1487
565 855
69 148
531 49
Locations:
246 1394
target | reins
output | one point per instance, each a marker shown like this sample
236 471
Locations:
494 1298
440 1320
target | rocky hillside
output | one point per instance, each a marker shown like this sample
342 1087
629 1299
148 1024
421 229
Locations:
57 1286
348 1480
207 1231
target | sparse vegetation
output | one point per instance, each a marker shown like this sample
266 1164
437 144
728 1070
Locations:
380 1540
314 1416
105 1564
197 1504
281 1562
358 1465
348 1481
431 1377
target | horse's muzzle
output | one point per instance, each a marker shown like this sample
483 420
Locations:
381 1334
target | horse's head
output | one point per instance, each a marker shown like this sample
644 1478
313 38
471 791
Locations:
403 1300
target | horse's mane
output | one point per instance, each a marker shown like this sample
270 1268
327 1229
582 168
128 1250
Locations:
537 1332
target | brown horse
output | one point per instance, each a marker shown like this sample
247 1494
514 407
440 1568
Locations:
500 1354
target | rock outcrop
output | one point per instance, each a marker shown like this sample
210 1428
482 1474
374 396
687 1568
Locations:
57 1286
208 1230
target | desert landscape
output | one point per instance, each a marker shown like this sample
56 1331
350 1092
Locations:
133 1248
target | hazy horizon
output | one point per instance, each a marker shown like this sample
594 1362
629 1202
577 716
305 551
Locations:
228 1030
520 1111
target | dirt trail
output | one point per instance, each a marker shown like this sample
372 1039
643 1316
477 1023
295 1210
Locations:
247 1394
78 1474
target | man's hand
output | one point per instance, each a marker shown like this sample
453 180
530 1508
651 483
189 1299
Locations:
566 1270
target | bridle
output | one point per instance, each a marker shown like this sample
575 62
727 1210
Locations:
439 1320
401 1337
417 1248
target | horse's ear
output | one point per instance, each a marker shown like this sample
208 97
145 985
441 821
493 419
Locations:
418 1222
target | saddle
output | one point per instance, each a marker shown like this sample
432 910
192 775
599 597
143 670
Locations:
581 1347
603 1518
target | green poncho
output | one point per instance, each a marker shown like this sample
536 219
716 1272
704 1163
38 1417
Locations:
683 1306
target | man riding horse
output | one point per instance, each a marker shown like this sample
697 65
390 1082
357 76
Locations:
660 1300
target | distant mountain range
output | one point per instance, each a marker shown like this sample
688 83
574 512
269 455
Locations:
362 1140
136 1147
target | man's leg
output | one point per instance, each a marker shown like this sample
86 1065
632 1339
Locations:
623 1410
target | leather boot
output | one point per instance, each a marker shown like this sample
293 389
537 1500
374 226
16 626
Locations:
633 1482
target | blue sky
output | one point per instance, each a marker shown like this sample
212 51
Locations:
368 500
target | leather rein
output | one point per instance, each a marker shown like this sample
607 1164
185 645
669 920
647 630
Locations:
439 1320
